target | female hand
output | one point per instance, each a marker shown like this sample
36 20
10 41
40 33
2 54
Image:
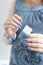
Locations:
35 42
12 25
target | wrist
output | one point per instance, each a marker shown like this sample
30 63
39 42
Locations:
11 38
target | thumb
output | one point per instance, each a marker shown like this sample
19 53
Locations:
9 32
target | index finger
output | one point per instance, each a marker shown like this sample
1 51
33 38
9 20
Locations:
17 16
36 35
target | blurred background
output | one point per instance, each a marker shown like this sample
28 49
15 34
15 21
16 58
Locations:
4 49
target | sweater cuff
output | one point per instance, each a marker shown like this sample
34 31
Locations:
10 39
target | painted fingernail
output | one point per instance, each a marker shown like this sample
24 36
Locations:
20 24
19 27
21 20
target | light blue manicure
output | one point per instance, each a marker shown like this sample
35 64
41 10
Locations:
19 27
20 24
21 20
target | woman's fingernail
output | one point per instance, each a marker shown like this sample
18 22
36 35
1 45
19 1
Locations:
19 27
20 24
21 20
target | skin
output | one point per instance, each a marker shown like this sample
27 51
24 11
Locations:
35 41
12 25
32 3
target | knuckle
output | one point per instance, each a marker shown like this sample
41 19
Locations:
37 40
14 19
16 25
16 15
11 22
33 39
